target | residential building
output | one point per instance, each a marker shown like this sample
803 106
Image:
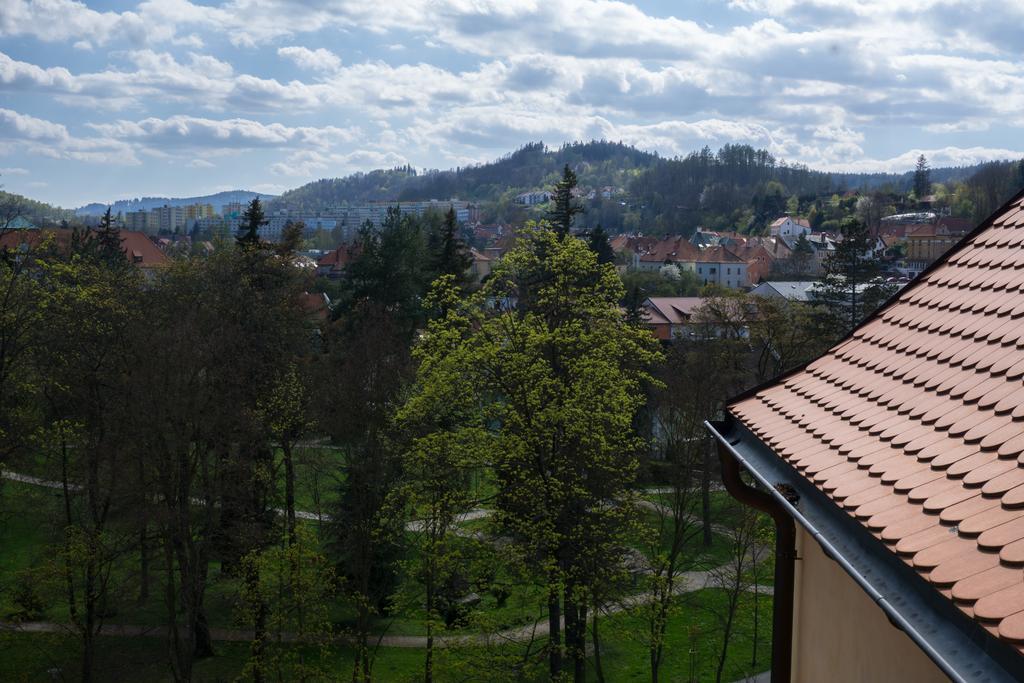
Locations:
142 221
789 226
669 316
719 266
675 251
138 248
232 209
481 267
758 259
930 241
194 212
893 468
533 198
712 266
333 264
674 318
170 218
788 290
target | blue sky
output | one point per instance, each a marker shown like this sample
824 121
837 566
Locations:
108 100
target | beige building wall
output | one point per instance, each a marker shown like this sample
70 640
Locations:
840 635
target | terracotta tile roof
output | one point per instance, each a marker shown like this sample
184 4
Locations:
141 251
914 424
671 310
672 249
716 255
137 246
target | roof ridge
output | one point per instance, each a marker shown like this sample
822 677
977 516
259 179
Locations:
912 285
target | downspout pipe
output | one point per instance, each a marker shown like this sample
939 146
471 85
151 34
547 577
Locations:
785 557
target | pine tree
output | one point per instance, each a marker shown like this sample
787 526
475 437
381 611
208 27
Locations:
252 220
922 178
108 241
450 255
853 286
600 246
565 208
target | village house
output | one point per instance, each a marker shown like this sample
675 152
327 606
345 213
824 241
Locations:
712 265
789 226
893 468
334 262
481 266
138 248
673 318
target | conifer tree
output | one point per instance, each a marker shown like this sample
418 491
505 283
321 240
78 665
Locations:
565 208
853 285
108 240
252 220
922 178
451 257
599 245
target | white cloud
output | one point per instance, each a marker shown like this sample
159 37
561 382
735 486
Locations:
311 163
46 138
191 132
13 170
945 156
317 60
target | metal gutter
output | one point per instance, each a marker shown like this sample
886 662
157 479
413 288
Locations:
785 558
958 645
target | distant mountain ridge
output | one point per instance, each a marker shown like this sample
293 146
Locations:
148 203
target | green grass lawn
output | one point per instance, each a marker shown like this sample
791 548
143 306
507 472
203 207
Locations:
31 519
691 653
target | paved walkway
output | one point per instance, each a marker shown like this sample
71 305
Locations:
687 582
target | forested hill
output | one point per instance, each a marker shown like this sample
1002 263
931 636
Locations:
38 213
532 166
737 185
148 203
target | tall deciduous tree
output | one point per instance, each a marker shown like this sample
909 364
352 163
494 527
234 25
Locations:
543 347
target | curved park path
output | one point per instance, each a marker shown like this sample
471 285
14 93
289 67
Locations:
686 582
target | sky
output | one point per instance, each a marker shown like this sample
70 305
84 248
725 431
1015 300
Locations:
109 100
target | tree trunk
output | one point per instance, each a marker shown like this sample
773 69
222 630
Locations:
580 645
598 670
259 631
289 488
428 665
705 496
143 564
554 632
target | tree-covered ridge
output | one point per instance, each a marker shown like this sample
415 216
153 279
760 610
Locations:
737 187
534 165
38 213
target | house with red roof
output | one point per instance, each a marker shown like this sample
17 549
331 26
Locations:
138 248
893 469
333 263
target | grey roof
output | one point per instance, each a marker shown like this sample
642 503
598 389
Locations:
792 290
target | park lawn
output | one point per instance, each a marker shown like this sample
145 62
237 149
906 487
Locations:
691 653
693 641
